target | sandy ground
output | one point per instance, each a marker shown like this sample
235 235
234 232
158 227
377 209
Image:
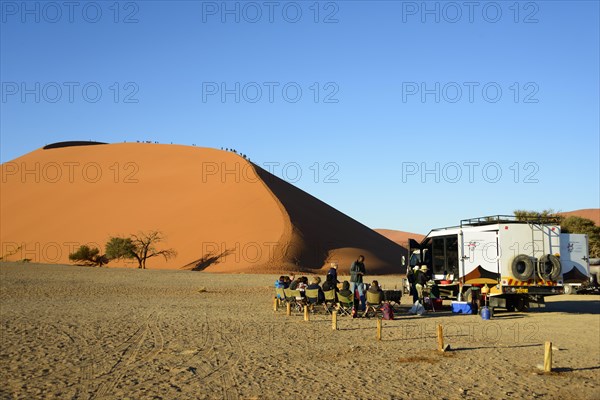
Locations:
87 333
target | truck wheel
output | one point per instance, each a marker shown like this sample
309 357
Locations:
522 267
568 289
549 267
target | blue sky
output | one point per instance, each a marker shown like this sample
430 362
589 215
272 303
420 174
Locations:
388 89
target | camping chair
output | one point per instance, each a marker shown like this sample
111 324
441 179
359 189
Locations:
300 299
373 303
345 304
312 298
294 297
329 300
280 295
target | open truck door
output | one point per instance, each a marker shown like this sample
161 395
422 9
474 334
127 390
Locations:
415 253
574 259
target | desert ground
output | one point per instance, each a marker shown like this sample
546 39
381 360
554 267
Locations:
72 332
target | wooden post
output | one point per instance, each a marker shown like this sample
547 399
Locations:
334 325
440 337
306 313
275 303
288 309
378 328
548 357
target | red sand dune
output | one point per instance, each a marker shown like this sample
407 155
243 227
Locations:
400 237
216 209
589 213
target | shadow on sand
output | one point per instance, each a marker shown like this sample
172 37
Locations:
206 261
495 347
573 307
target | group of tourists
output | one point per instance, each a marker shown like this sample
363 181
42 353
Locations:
355 288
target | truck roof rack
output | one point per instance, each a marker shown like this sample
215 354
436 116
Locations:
500 219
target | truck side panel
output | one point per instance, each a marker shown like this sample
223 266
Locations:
574 257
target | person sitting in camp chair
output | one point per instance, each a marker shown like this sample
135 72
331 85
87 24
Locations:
330 290
302 283
313 292
294 298
374 299
345 299
330 283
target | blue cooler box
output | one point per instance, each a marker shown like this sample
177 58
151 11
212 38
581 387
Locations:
462 307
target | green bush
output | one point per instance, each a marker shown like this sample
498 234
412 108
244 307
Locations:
86 255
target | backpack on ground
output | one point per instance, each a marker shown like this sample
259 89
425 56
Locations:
388 312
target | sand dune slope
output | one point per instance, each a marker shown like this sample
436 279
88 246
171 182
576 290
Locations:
322 234
217 210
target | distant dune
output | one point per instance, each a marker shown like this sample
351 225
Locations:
589 213
220 212
400 237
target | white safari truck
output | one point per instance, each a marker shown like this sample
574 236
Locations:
520 262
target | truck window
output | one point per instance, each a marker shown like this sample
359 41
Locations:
452 255
438 256
445 255
415 259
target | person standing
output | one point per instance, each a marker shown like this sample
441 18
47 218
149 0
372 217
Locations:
411 276
333 271
421 280
357 272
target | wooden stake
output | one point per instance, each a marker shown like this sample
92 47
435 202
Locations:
548 357
334 325
275 304
306 313
378 328
440 337
288 310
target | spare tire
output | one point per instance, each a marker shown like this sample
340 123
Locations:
522 267
549 267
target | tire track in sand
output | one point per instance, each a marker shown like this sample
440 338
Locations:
213 363
132 356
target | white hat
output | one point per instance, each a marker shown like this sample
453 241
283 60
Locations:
416 268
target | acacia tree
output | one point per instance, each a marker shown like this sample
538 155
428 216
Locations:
86 255
524 215
140 247
120 248
571 224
